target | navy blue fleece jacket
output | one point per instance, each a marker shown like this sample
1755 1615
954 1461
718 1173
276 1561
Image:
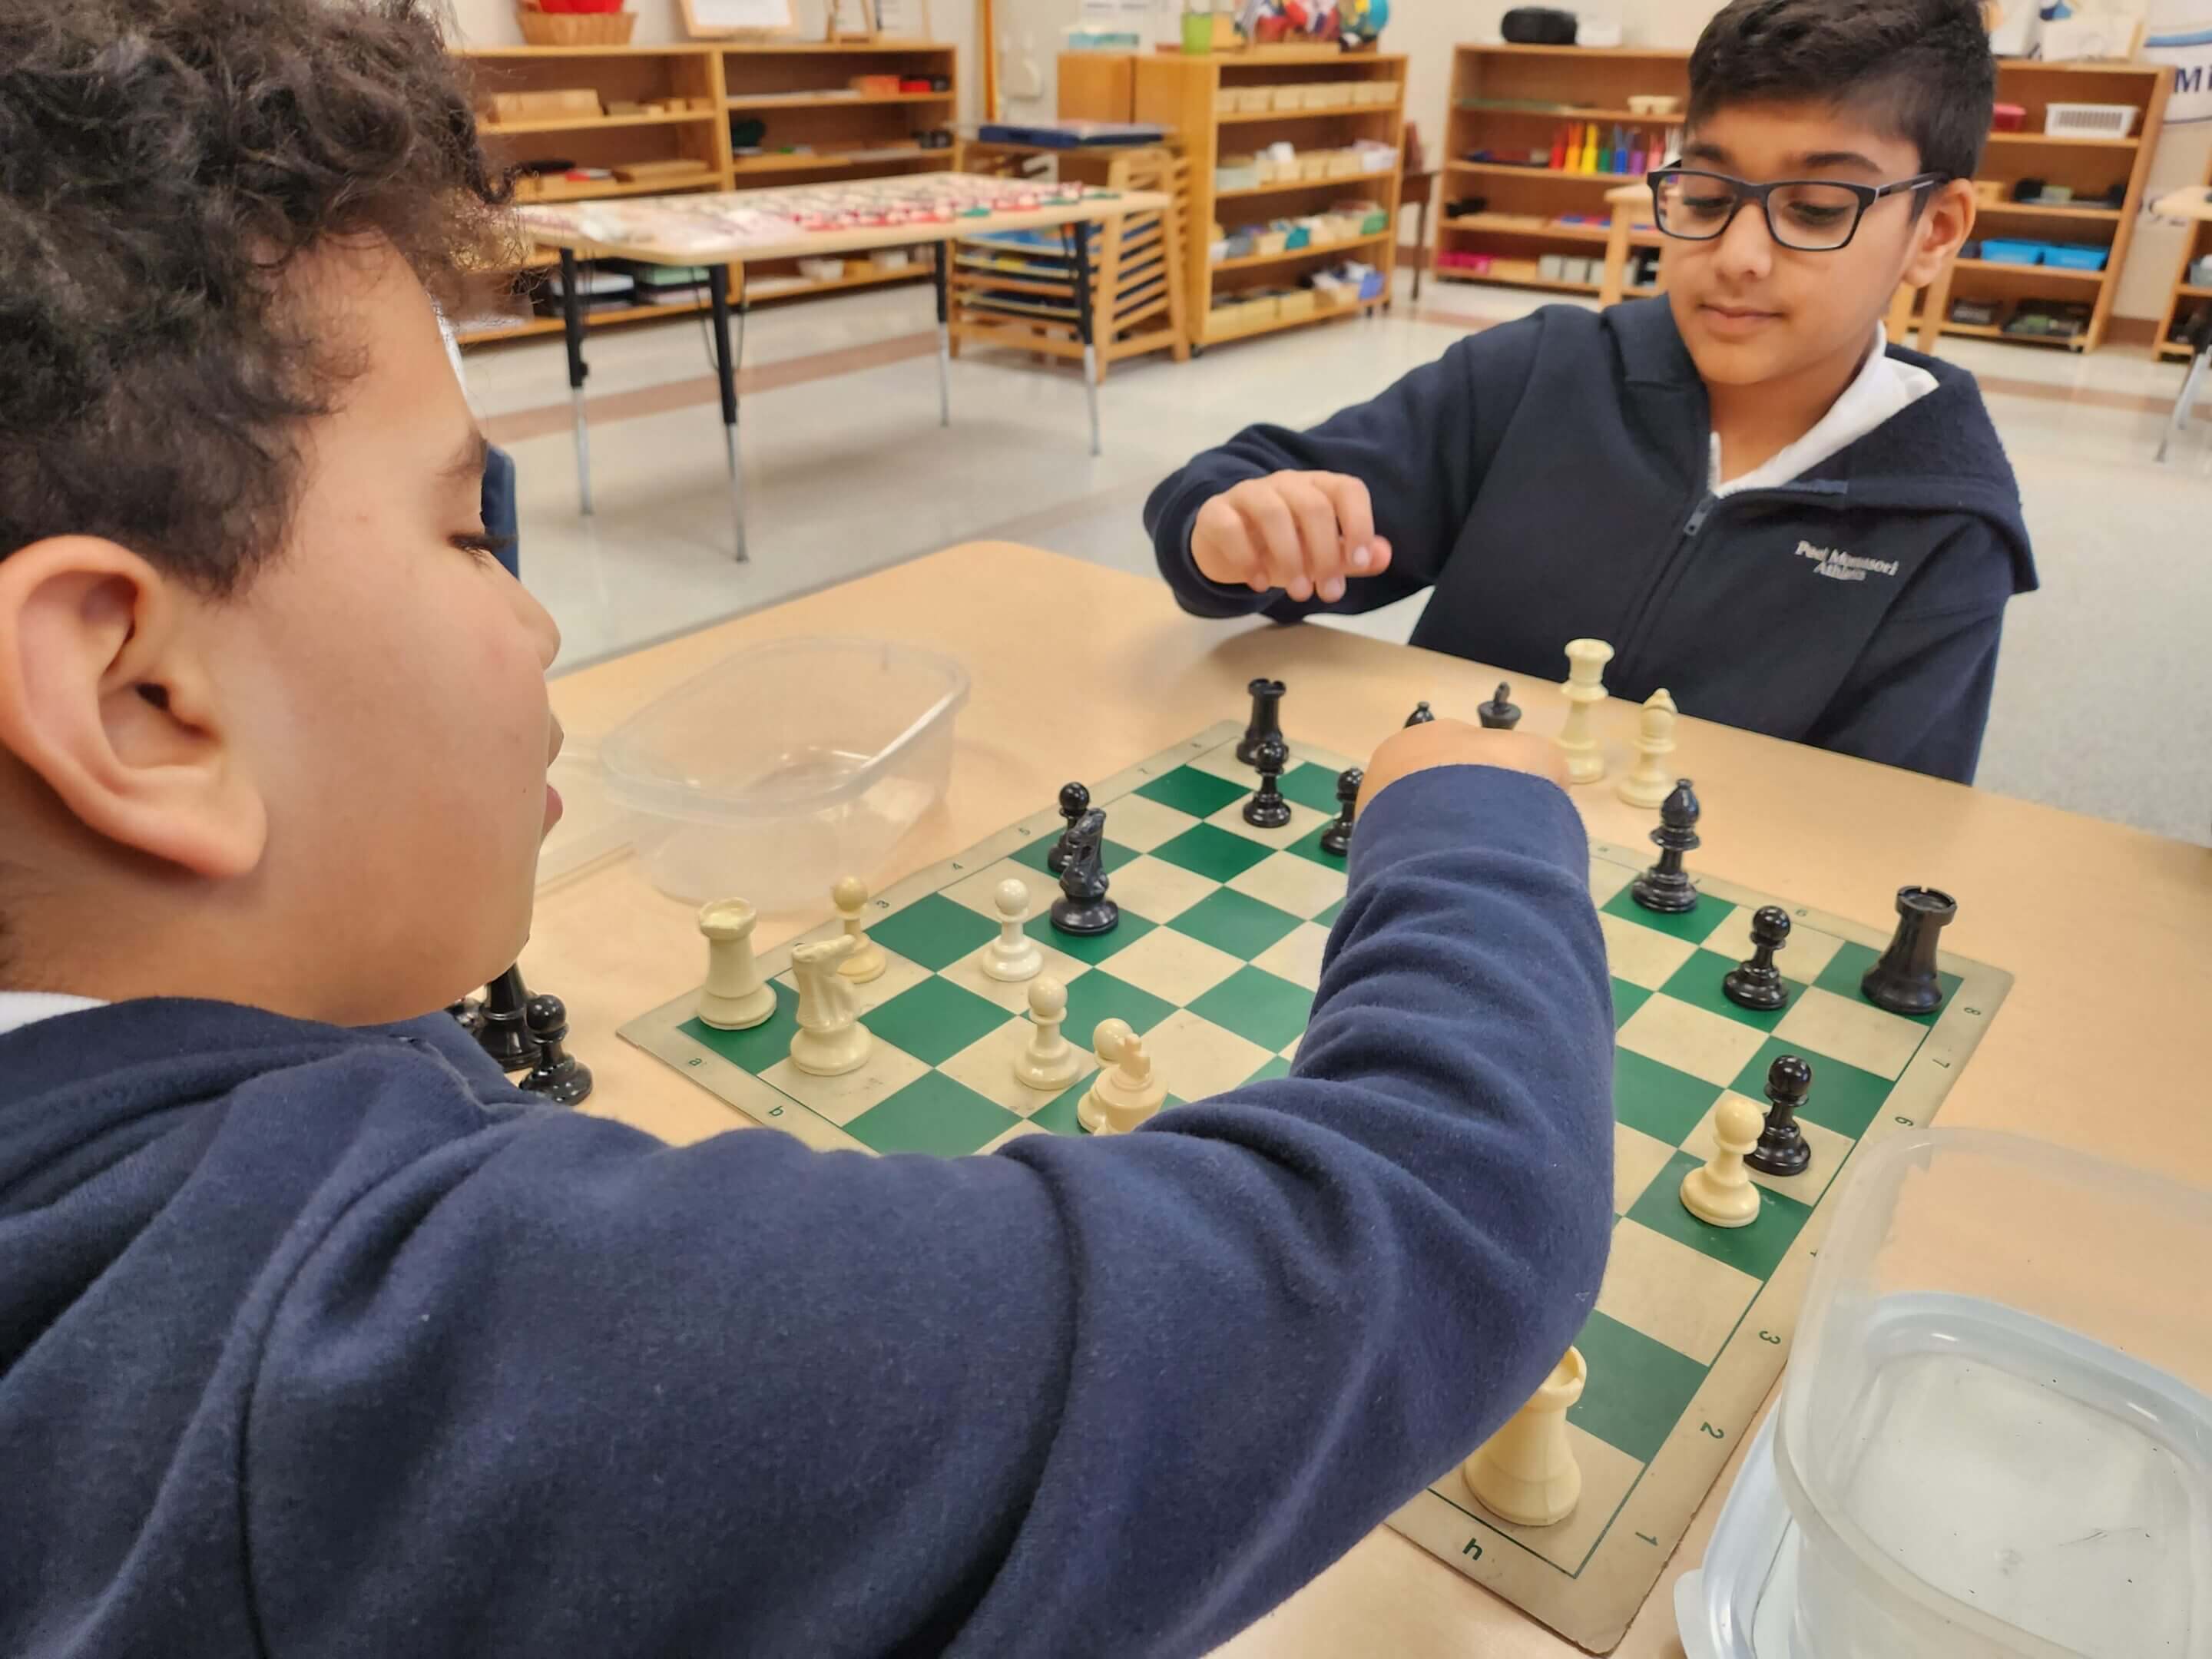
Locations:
1550 480
323 1342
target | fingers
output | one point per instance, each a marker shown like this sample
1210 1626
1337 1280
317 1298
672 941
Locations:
1221 547
1454 743
1315 511
1273 529
1305 533
1354 512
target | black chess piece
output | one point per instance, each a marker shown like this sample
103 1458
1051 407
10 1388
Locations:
1422 714
1267 719
1268 809
1337 838
1501 713
1757 983
1074 802
1083 908
1904 980
505 1032
1665 887
468 1014
1781 1149
558 1075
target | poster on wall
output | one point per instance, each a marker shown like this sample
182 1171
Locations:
2189 51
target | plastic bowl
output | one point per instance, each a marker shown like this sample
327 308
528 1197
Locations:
786 767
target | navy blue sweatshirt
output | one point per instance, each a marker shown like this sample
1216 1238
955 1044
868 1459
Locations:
324 1342
1550 479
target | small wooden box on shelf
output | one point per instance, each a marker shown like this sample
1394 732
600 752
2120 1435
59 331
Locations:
658 120
1323 102
1510 101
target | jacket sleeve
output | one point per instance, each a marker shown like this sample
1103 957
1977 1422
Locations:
1918 697
554 1387
1421 448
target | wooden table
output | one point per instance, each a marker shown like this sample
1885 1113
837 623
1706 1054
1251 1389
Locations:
2108 930
756 224
2192 204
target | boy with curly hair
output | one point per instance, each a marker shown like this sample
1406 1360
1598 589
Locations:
318 1338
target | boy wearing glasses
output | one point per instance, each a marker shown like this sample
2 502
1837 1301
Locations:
1794 527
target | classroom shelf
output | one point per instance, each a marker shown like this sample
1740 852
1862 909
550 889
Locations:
1507 168
1351 181
1239 118
2034 273
594 123
1547 284
1254 261
1564 112
2193 291
598 191
850 159
1494 224
1213 337
2073 141
2037 211
832 100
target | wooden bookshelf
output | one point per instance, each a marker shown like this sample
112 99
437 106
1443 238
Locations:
1184 94
2185 298
800 91
1508 99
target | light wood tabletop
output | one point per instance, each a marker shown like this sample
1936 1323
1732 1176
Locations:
1080 670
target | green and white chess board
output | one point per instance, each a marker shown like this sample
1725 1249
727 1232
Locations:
1215 963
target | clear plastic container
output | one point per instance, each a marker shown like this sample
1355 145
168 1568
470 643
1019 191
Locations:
1995 1436
786 767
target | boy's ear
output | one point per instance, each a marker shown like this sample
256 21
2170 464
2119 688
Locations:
104 694
1945 222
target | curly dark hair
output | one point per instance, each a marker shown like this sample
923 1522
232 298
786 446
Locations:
162 163
1920 69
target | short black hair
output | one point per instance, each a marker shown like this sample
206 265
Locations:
1920 69
162 163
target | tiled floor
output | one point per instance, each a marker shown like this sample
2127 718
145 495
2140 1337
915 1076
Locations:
2104 698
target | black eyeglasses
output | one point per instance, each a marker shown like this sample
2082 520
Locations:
1813 216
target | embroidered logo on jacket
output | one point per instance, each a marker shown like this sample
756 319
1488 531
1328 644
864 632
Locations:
1844 566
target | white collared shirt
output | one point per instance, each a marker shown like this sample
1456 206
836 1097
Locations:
1883 386
22 1008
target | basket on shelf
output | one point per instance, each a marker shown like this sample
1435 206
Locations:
567 23
2089 120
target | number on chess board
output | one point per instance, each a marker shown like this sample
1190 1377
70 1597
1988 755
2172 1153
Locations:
1716 1433
1768 1336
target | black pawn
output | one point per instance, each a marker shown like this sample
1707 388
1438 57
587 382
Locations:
1267 719
1665 887
1781 1149
468 1014
558 1075
1268 809
1501 713
1422 714
1083 908
1337 838
505 1031
1758 983
1074 802
1904 980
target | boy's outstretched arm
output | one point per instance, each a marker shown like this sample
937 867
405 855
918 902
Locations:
1359 511
554 1387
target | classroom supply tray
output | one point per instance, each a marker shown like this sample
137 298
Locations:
2089 120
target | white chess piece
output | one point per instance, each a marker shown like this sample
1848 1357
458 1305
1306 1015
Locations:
830 1039
1013 955
1048 1059
735 997
867 960
1526 1472
1584 689
1720 1191
1126 1093
1652 779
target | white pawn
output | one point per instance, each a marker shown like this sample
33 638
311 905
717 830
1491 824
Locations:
735 997
1652 779
1584 689
1526 1472
1721 1191
830 1040
867 961
1125 1094
1048 1059
1013 955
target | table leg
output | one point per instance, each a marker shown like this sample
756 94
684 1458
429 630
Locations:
1086 319
726 373
572 329
2180 419
1420 239
944 334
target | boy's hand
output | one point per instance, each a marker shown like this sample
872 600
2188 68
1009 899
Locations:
1454 743
1303 532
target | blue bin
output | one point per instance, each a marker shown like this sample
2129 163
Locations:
2075 256
2011 254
